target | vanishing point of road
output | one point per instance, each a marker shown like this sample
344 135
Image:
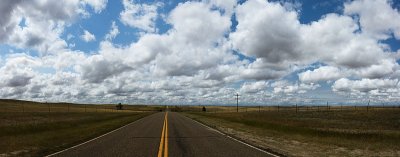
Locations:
161 135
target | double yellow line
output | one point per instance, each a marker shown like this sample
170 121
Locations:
164 139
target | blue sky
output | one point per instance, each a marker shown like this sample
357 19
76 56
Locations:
201 52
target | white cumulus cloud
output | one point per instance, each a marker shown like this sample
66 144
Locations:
87 36
98 5
141 16
325 73
114 31
363 85
377 18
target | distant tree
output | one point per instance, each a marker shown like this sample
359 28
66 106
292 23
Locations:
119 106
177 109
204 109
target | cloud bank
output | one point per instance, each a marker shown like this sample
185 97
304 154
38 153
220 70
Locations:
211 50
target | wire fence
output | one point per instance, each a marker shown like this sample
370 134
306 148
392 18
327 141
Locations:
279 108
26 106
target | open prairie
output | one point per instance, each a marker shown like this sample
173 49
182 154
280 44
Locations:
316 131
37 129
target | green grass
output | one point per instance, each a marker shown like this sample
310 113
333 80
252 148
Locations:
376 130
37 132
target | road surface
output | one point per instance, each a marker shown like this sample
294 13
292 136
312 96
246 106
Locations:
161 135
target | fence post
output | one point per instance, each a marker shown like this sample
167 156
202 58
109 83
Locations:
296 107
48 106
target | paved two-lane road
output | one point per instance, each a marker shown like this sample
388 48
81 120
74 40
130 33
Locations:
183 137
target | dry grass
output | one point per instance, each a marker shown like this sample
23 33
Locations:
34 131
29 106
337 132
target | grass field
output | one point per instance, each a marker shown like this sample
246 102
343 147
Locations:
7 105
35 131
345 132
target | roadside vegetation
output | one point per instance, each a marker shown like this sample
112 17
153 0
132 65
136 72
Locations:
334 132
35 129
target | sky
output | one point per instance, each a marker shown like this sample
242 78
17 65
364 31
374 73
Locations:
272 52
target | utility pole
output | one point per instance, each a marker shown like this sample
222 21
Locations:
237 102
327 106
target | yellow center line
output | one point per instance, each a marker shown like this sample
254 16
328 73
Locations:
166 136
164 140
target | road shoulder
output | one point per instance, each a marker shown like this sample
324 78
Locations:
238 136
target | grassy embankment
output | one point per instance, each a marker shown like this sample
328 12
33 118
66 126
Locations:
30 128
346 132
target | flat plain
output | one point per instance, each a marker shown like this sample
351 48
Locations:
310 131
37 129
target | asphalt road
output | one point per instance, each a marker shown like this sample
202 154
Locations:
163 134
